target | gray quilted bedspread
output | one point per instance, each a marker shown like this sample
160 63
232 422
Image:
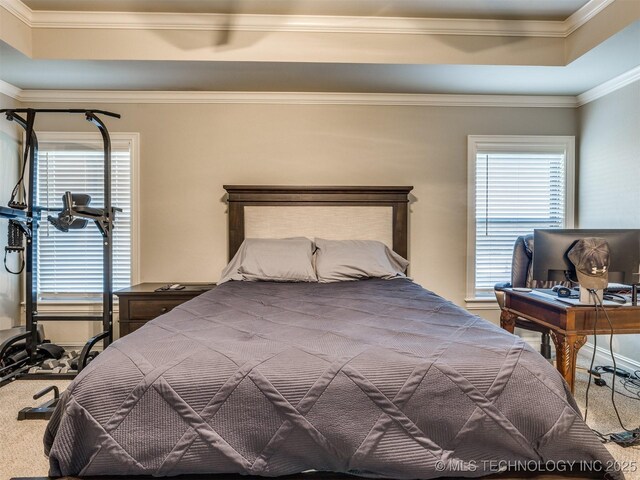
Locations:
373 378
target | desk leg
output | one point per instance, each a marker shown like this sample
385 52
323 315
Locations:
567 347
508 321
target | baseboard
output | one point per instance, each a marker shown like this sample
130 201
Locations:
603 357
78 346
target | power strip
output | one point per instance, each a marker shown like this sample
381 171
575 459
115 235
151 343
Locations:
626 439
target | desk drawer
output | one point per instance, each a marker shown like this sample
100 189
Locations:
149 309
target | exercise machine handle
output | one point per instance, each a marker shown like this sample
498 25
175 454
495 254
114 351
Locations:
84 355
44 391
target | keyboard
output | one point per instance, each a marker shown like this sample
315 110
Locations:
550 295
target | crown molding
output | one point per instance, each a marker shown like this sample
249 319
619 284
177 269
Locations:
19 10
297 23
294 98
609 86
304 23
10 90
584 14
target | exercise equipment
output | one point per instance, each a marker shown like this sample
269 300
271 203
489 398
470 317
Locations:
44 411
13 358
15 243
24 349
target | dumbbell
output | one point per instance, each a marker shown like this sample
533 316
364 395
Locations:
65 363
50 364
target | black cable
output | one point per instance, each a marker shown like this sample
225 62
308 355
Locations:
636 394
600 304
31 117
22 264
593 358
604 437
630 384
614 297
16 189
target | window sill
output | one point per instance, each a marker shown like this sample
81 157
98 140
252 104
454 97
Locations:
71 307
481 303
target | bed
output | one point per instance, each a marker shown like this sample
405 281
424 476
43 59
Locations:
377 378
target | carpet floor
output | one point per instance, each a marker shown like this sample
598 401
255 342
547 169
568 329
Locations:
21 448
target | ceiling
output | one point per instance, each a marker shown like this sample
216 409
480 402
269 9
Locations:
611 57
495 9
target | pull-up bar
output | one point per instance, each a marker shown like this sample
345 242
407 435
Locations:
24 217
9 111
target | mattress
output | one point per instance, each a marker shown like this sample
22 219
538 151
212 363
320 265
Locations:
377 378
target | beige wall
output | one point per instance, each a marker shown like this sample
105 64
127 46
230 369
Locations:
615 17
9 158
189 151
609 173
15 32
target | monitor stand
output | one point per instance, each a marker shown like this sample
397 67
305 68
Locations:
587 298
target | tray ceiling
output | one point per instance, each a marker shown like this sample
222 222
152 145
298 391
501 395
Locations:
493 47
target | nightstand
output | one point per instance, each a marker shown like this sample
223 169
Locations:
141 303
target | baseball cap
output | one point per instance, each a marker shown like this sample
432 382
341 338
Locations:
590 256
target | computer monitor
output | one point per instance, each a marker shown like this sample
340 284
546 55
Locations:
551 263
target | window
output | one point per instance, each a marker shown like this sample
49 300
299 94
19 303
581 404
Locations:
70 264
516 184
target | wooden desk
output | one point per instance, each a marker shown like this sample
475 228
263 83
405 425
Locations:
568 325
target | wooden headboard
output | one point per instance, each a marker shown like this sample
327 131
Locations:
396 200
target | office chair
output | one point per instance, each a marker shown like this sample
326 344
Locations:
522 276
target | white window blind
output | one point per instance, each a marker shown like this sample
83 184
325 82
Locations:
518 188
70 264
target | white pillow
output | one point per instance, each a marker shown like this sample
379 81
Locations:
341 260
271 259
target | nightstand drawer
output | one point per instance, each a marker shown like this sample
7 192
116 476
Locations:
143 302
127 327
148 309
